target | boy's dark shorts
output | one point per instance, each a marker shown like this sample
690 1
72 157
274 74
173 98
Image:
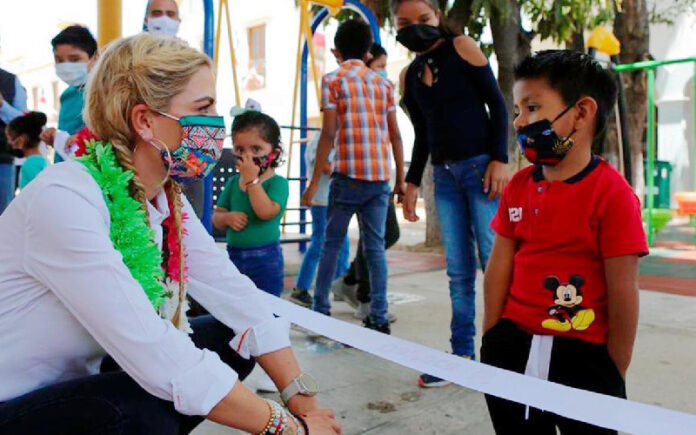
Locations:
574 363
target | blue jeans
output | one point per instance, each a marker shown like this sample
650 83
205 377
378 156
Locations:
263 265
370 200
7 184
313 253
465 214
112 403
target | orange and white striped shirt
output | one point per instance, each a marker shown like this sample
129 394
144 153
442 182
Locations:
362 100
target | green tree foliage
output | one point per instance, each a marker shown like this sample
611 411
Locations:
566 20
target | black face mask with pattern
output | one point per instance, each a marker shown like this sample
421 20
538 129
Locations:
541 145
264 162
418 37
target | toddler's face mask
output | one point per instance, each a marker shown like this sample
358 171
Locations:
541 145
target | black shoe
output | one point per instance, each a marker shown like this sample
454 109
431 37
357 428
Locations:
301 297
369 324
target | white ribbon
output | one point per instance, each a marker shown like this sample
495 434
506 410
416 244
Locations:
593 408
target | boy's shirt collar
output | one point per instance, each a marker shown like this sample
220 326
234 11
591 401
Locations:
352 62
538 174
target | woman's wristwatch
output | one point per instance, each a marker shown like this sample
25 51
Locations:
304 384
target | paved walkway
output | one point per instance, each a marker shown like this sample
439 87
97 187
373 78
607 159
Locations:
372 396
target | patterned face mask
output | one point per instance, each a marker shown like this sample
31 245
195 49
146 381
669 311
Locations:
541 145
264 162
202 137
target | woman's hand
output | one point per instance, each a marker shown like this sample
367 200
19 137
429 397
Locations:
495 178
247 168
237 220
322 422
409 202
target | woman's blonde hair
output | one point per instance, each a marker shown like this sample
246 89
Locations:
139 69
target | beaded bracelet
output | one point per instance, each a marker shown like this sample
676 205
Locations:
279 421
301 424
270 419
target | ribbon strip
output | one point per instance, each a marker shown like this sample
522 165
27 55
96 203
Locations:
593 408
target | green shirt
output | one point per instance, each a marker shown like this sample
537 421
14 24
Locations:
258 232
31 168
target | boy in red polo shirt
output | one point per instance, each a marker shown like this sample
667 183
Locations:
561 299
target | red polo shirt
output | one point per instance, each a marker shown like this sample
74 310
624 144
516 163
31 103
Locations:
566 229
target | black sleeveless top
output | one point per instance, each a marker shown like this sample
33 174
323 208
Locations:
449 118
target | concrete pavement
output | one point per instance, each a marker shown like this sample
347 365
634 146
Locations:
371 396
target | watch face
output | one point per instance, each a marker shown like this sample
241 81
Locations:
308 384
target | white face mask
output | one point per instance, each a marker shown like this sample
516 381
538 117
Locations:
162 26
72 73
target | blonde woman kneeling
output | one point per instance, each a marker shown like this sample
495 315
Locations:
96 257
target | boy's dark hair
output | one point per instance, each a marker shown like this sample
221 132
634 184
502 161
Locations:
376 51
266 127
29 125
573 75
353 39
77 36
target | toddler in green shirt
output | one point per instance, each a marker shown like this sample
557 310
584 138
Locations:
253 202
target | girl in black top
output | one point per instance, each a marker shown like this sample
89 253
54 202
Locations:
460 121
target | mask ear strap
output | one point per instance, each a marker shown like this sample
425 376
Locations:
563 112
168 116
163 147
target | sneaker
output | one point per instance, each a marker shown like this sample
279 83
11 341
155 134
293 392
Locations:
301 297
336 290
429 381
369 324
349 294
364 310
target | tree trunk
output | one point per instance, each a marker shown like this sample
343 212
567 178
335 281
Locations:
511 45
432 226
577 41
632 28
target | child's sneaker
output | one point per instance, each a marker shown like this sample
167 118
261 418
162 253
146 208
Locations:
369 324
301 297
364 310
345 292
429 381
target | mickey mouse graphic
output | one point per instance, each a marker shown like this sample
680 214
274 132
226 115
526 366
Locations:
567 312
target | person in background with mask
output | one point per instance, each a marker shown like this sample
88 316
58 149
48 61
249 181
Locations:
461 122
23 133
162 18
99 254
75 52
13 103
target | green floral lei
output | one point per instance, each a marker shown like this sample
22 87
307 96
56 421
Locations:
129 231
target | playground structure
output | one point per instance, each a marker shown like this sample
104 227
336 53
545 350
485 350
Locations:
654 218
604 41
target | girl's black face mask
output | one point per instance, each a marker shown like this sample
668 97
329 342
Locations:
418 37
541 145
264 162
